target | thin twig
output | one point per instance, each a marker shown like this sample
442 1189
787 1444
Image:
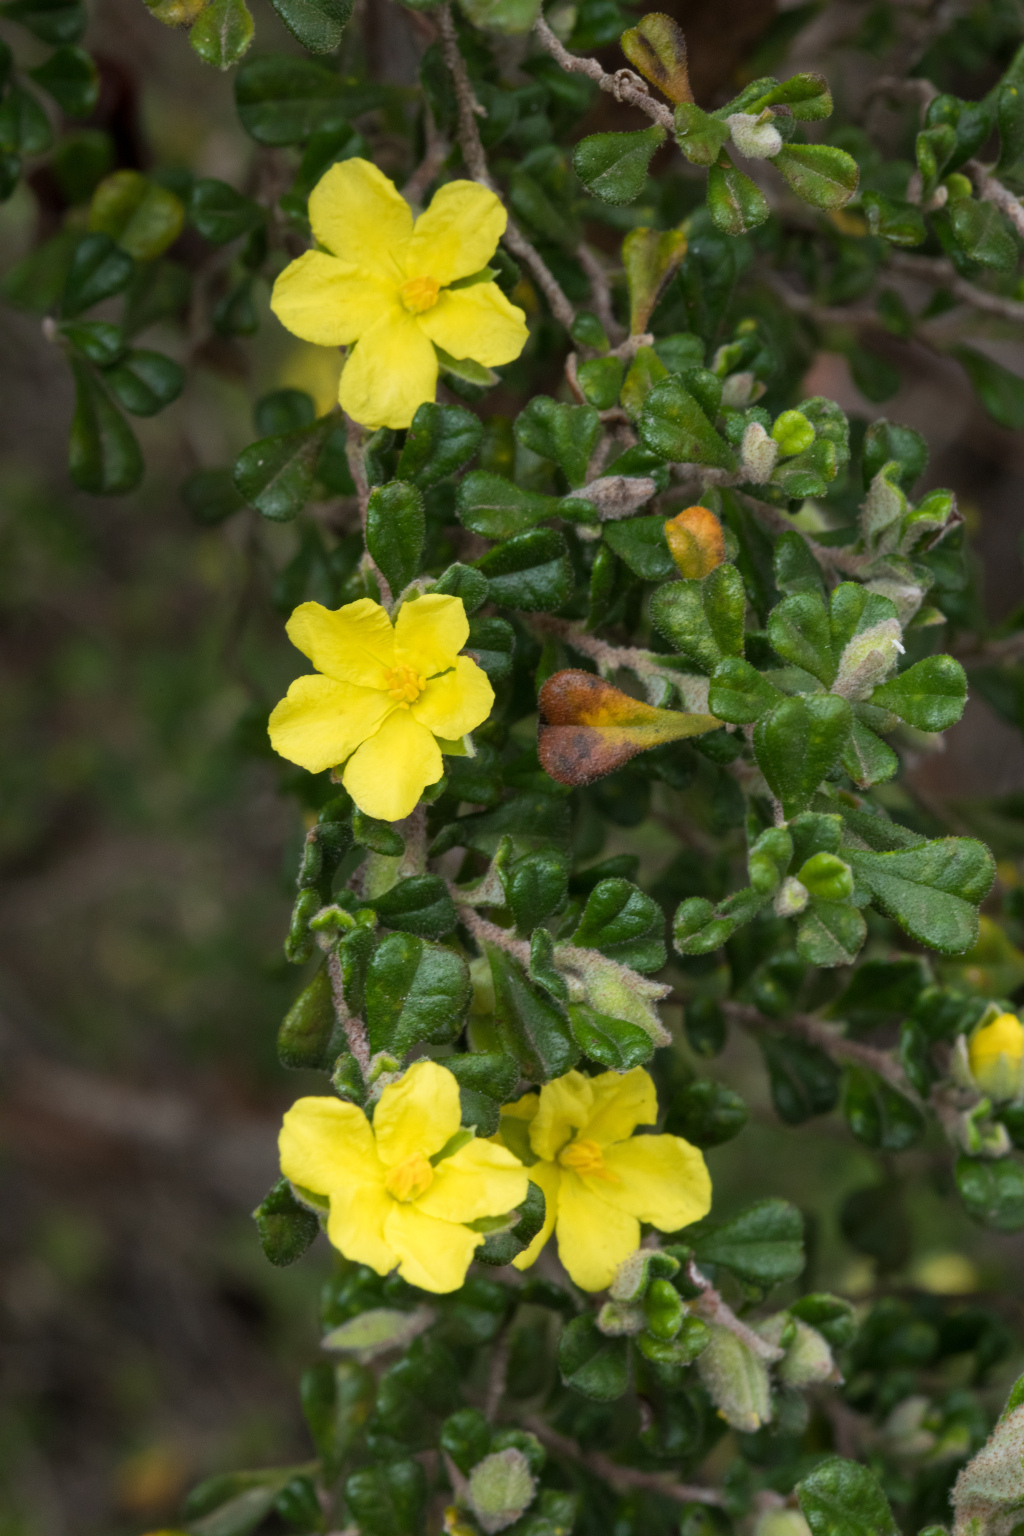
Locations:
974 652
601 291
355 1029
991 190
617 1475
434 156
713 1309
469 109
497 1376
610 658
623 85
937 272
832 560
839 1047
357 469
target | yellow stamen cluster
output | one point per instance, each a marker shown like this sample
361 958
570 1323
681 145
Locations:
585 1157
410 1179
419 294
404 684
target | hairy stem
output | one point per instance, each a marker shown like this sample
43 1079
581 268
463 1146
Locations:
618 1476
624 85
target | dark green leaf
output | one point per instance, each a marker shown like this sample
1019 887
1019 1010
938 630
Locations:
739 693
888 440
674 426
71 78
614 165
929 695
531 572
440 441
992 1190
565 434
420 904
614 1043
220 213
24 126
623 923
497 508
388 1500
145 382
842 1498
275 475
103 455
305 1037
533 1030
535 886
316 24
415 992
736 204
282 99
592 1364
396 529
706 1113
98 340
932 891
798 743
1000 391
286 1228
877 1114
821 174
52 21
803 1080
502 1247
640 543
98 270
463 581
763 1245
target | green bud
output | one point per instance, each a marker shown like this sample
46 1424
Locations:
793 433
663 1309
808 1360
755 136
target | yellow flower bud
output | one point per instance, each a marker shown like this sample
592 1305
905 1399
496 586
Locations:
996 1056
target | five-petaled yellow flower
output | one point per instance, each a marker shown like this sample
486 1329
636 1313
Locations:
393 1201
996 1055
383 282
599 1180
389 700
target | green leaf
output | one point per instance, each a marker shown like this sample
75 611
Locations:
798 629
396 530
739 693
613 1043
234 1504
706 1029
463 581
592 1364
992 1191
565 434
673 425
440 441
222 33
420 904
706 1113
929 695
466 1438
304 1041
97 271
798 743
736 204
486 1080
142 216
640 543
98 340
510 16
103 455
600 379
24 126
501 1248
803 1080
885 441
533 1030
52 21
316 24
70 76
1000 391
493 643
623 923
282 99
932 891
336 1401
535 886
842 1498
700 136
379 836
821 174
703 619
415 992
830 933
806 95
275 474
613 166
145 382
763 1245
220 213
893 219
877 1114
285 1227
531 572
388 1499
532 820
867 759
497 508
983 233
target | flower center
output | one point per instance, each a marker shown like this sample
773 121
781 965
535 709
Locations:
410 1179
584 1156
419 293
404 684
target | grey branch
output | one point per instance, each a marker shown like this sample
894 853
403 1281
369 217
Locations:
833 1044
609 658
991 190
623 85
710 1306
937 272
617 1475
469 110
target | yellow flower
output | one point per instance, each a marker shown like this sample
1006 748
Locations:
599 1180
384 282
390 699
996 1055
394 1200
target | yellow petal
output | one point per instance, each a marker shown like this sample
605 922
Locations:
565 1106
664 1180
389 374
389 772
457 235
359 214
549 1177
419 1113
477 322
593 1237
329 302
325 1144
457 702
319 723
430 633
480 1179
620 1104
524 1108
356 1222
354 644
434 1254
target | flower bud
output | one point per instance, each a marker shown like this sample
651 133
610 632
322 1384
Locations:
996 1055
808 1359
758 452
736 1380
500 1489
781 1522
756 137
990 1484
